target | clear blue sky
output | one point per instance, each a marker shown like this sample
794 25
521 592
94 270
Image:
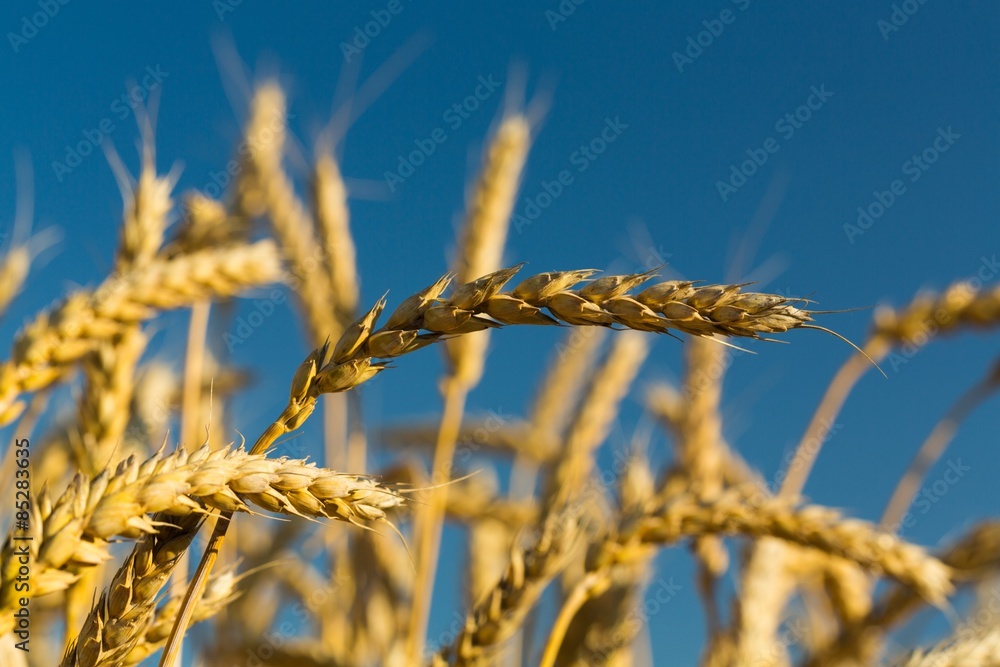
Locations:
836 106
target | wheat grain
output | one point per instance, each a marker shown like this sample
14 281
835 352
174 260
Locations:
981 650
218 594
811 526
959 306
593 420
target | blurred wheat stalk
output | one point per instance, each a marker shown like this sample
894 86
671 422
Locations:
559 529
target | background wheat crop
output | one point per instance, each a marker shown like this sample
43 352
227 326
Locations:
684 355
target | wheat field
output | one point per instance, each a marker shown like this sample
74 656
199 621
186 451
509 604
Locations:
139 517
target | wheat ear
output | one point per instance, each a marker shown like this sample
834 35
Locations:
71 532
48 347
120 618
500 613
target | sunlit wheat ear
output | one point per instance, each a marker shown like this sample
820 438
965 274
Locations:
49 346
958 307
73 530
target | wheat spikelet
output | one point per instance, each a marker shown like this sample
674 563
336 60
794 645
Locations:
206 224
597 410
973 557
484 232
980 650
71 531
104 404
604 629
145 216
218 594
48 347
480 250
13 272
959 306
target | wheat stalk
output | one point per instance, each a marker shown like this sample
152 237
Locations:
218 594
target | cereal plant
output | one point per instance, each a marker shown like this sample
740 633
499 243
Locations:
137 514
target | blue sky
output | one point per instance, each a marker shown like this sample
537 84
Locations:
849 149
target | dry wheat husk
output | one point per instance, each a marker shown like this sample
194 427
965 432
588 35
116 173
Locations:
959 306
978 650
221 590
973 557
333 229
